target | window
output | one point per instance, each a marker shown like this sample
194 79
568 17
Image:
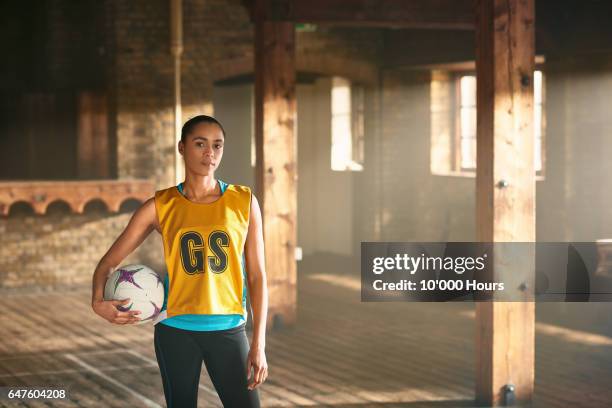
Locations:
453 123
347 127
538 119
467 121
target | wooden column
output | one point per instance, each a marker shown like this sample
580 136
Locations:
505 190
275 172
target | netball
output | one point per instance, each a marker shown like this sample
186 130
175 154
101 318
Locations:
142 285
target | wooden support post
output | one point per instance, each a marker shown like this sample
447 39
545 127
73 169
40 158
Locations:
275 170
505 190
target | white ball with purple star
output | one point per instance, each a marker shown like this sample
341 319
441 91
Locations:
142 285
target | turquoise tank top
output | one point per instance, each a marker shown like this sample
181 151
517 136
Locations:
200 322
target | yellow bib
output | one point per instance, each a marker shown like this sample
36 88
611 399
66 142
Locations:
203 249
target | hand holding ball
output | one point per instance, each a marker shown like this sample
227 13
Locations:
135 288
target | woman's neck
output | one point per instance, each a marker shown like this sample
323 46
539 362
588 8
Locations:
201 188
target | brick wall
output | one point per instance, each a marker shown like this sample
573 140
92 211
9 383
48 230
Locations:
415 205
130 54
61 249
405 202
143 81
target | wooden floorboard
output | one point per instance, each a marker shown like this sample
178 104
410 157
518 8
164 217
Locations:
342 353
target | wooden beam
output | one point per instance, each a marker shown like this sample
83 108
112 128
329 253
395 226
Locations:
319 63
275 170
568 28
505 190
449 14
409 47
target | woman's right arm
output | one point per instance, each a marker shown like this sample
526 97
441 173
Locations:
143 221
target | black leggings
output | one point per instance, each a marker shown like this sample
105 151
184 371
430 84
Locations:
180 353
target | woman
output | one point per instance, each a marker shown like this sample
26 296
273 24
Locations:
210 232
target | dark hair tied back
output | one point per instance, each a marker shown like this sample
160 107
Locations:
196 120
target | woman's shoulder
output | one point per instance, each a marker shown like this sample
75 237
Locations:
165 195
239 188
164 191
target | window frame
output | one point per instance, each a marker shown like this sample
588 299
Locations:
356 123
456 137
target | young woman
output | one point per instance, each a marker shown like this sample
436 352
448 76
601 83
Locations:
214 252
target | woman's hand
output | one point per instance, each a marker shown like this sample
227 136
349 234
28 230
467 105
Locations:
256 363
108 310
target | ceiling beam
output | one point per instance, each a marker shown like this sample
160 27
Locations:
427 14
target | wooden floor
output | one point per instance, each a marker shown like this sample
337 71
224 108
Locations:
342 353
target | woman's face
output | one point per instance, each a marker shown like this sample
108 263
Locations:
203 149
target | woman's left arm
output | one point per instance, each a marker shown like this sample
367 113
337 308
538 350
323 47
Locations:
258 290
